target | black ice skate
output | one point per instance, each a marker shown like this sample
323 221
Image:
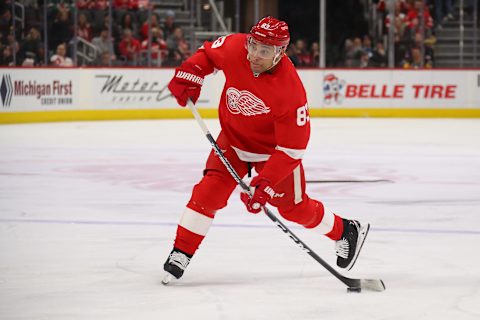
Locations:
349 246
175 265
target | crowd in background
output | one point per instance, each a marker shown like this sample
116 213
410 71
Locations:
127 42
413 40
415 35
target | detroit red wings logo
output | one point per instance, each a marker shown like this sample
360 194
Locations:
245 102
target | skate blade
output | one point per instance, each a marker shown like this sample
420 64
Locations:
167 278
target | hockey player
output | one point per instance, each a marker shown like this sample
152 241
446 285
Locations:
265 125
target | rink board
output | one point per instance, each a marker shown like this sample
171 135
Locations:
52 94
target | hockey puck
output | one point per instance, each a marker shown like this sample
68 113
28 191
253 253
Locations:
354 289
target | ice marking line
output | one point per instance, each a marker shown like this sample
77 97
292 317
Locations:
222 225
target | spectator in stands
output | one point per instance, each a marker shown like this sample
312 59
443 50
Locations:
427 48
402 38
176 41
104 44
363 60
159 49
128 22
29 60
144 4
357 46
146 26
413 19
131 5
6 59
60 59
348 53
379 57
126 4
61 29
174 59
414 60
14 46
402 48
121 4
356 53
5 24
86 4
40 56
292 54
399 18
84 30
367 45
315 54
30 45
304 57
92 4
104 60
402 5
116 30
169 24
129 47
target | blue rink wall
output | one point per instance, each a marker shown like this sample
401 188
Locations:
73 94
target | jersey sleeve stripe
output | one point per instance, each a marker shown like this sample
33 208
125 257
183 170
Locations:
296 154
297 185
250 156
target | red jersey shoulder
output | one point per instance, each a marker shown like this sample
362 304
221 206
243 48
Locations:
230 41
224 47
293 95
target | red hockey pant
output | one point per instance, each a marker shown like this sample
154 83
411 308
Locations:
216 186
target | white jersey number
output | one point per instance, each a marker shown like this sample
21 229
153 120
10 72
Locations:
219 42
302 115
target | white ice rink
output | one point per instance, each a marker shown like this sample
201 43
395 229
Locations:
88 214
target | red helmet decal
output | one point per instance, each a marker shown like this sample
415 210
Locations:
271 31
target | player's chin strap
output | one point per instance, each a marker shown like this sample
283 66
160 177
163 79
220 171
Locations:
367 284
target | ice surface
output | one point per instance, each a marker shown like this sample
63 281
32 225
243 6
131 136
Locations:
88 213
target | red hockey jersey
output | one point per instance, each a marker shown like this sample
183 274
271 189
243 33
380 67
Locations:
265 118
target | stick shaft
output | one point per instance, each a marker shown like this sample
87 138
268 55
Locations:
347 281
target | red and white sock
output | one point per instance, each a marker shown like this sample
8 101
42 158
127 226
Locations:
192 229
328 223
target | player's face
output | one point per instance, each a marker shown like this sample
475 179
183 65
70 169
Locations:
260 55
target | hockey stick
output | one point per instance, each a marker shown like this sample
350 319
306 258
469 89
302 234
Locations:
353 284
